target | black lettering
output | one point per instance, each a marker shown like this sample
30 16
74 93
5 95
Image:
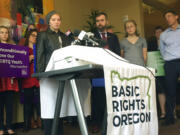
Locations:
132 91
137 94
116 121
128 92
142 104
114 91
124 119
138 103
135 119
121 91
115 106
142 117
121 106
131 104
148 117
130 118
125 105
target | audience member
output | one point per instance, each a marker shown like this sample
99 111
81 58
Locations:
47 42
31 87
30 27
133 47
7 88
170 47
153 45
98 88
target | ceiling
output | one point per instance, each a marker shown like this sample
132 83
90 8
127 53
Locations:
164 5
168 2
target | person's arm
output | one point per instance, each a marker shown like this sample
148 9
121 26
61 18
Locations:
162 45
31 58
145 55
144 50
122 53
40 53
122 49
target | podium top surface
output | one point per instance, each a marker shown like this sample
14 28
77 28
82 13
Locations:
80 72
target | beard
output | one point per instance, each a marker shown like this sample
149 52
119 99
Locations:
101 28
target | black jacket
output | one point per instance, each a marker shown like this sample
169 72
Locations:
47 42
112 41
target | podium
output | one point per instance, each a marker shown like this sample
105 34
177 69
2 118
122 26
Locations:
78 72
79 62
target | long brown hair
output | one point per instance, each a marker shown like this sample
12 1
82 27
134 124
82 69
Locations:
28 35
134 22
9 38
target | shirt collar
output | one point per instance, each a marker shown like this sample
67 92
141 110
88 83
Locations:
170 29
53 32
102 32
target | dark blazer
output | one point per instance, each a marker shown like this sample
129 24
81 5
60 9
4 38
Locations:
112 41
47 42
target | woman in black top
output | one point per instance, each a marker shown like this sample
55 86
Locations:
47 42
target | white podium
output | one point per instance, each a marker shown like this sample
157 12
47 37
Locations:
74 62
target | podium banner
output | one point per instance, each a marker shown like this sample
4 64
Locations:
131 101
156 61
14 61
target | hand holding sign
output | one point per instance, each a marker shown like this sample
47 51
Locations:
31 58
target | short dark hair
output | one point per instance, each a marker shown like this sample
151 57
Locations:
170 11
102 13
158 27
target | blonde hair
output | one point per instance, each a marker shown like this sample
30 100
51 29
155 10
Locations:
134 22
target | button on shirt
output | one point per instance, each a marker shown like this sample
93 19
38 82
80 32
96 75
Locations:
170 44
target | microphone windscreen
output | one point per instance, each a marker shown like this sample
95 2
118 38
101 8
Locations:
90 34
76 33
68 33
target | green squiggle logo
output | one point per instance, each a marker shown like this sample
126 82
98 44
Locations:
113 72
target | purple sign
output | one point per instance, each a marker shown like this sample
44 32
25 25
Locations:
14 61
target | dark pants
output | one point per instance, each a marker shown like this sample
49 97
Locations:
6 102
98 105
29 104
104 124
48 127
172 71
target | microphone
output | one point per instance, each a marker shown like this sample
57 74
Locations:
101 42
76 33
76 41
87 39
69 34
90 34
86 36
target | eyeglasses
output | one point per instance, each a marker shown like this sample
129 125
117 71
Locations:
33 35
